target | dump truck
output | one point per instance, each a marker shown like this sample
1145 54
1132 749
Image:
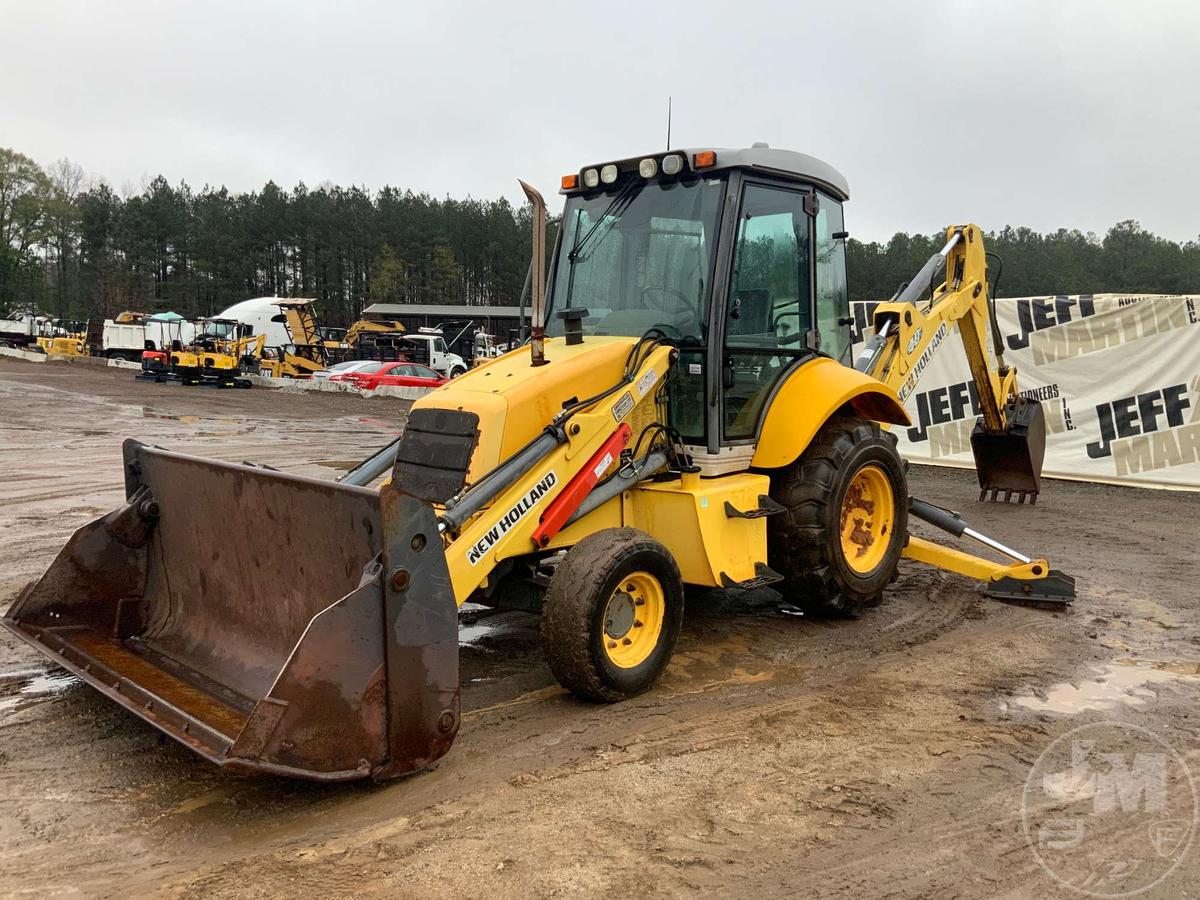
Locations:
679 417
20 329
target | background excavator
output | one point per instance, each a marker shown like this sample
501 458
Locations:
222 352
678 417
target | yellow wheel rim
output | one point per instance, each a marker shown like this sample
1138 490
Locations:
867 519
633 620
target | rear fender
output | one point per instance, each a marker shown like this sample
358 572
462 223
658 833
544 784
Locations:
806 400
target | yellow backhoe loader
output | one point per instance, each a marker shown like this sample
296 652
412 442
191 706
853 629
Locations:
678 417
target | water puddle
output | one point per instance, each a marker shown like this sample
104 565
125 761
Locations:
21 689
473 634
477 630
343 465
1126 682
148 413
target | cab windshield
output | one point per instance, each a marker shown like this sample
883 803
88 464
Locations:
638 257
220 329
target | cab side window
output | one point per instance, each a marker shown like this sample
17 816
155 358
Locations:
833 299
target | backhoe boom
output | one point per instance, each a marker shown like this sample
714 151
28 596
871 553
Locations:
1009 438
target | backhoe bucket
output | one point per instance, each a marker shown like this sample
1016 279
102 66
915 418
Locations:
1010 462
270 622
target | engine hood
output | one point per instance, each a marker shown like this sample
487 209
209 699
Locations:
515 400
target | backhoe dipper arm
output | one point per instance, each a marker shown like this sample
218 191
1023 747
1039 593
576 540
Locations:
1009 438
907 336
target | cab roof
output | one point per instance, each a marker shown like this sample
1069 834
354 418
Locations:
768 159
760 157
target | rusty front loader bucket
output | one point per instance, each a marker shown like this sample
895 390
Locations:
268 621
1010 462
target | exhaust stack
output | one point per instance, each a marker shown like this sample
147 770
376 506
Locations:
537 331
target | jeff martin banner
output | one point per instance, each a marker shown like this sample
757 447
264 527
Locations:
1118 377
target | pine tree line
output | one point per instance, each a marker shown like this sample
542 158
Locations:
1128 259
74 247
79 250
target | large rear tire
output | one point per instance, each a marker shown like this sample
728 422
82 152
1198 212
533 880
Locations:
612 614
838 543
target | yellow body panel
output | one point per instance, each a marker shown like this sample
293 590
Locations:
806 400
688 516
217 362
62 346
515 401
291 366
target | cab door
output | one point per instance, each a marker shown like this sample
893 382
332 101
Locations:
437 355
768 323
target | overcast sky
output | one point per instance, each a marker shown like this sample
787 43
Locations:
1047 114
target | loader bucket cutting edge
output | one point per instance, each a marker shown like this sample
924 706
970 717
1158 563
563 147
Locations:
250 615
1009 462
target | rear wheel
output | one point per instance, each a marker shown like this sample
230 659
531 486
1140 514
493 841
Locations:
612 614
839 541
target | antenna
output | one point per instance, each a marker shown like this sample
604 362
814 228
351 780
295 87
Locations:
668 122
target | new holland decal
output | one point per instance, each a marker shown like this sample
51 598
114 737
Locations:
510 519
910 383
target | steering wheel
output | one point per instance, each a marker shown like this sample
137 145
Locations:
678 307
680 301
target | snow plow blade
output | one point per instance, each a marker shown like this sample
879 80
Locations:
1009 462
270 622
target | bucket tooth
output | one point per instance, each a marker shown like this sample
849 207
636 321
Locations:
1010 461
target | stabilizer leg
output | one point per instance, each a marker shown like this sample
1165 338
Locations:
1025 580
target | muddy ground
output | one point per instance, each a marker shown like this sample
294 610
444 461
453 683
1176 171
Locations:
885 756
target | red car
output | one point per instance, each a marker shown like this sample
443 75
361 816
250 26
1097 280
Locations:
395 374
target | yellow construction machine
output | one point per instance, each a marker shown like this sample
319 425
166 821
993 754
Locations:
679 417
69 345
220 355
365 327
307 353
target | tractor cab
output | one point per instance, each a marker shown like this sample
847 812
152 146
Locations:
736 255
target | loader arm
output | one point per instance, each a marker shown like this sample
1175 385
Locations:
538 478
1009 438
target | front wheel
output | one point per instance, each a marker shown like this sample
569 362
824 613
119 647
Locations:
612 614
846 497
